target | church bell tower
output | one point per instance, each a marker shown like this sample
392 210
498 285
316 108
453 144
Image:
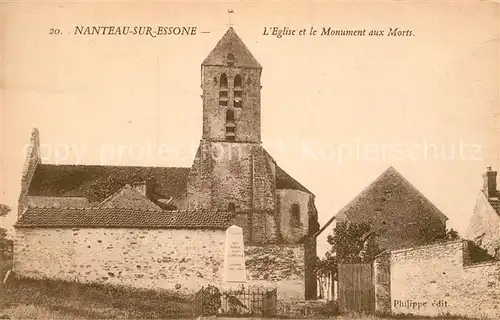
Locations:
230 77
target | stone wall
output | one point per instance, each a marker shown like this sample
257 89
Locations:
382 282
280 266
301 308
484 226
181 260
433 280
132 257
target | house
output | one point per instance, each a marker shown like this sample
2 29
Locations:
398 214
484 226
164 226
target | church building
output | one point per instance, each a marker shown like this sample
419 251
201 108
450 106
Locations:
163 227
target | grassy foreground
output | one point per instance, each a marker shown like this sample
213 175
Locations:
57 300
44 299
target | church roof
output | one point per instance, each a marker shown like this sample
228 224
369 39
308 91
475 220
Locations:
231 43
39 217
285 181
76 180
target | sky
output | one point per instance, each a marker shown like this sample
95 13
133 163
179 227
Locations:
336 111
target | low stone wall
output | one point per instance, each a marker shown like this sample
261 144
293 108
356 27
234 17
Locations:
434 280
180 260
277 266
301 308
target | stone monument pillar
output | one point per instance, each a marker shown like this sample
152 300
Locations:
234 256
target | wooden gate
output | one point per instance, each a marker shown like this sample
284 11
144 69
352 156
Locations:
356 290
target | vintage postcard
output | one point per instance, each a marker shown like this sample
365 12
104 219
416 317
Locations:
249 159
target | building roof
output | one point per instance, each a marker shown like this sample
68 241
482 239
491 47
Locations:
131 218
285 181
129 197
495 203
362 197
76 180
231 43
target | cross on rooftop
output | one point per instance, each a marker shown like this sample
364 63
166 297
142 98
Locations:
229 12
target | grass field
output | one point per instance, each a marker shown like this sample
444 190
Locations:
53 299
42 299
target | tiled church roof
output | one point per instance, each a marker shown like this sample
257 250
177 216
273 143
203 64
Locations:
39 217
75 180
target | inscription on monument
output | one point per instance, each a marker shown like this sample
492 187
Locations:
234 256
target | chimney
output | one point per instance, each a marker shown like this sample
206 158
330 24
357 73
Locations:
490 183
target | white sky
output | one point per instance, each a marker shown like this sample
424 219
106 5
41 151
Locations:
99 94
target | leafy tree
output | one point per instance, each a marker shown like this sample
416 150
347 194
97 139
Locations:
445 235
350 243
452 234
6 244
4 210
211 300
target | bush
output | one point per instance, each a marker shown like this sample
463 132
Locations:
331 309
211 301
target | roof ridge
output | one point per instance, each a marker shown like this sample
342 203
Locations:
105 166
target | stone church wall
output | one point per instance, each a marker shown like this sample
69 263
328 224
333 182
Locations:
286 199
247 118
224 173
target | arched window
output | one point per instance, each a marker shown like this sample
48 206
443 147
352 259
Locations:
223 90
231 207
230 126
238 91
295 215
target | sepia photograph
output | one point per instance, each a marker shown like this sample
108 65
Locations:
249 160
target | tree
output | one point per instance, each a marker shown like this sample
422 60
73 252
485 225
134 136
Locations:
350 243
6 244
353 243
452 234
4 210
